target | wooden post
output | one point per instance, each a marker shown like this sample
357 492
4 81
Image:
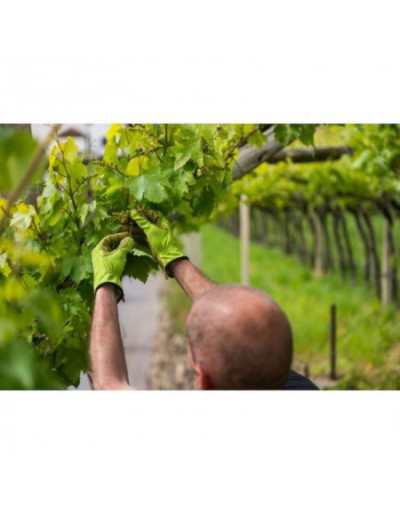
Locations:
332 342
244 240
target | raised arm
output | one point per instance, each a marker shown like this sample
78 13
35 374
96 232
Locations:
167 250
107 359
190 278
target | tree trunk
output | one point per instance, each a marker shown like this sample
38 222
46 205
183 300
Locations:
278 237
235 224
389 271
317 233
280 232
266 228
302 245
339 243
288 235
327 247
347 246
386 277
261 226
376 266
312 252
366 245
254 226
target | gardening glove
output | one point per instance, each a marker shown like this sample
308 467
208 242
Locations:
164 247
109 259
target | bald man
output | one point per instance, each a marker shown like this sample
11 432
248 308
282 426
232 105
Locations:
238 337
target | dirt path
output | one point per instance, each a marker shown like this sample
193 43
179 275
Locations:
139 317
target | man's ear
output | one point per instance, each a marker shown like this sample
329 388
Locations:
203 381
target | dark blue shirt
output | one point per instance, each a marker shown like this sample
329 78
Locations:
299 382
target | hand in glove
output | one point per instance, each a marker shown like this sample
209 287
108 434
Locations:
109 259
164 247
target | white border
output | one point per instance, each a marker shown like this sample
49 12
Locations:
192 61
199 452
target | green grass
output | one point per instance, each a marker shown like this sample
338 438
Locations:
367 332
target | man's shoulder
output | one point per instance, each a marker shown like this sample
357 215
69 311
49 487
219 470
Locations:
299 382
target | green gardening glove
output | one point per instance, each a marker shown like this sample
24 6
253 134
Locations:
164 247
109 259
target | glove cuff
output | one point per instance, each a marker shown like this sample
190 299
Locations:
117 287
167 268
168 256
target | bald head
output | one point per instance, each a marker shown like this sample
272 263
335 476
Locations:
240 338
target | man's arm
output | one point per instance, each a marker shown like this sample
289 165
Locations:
168 252
107 359
190 278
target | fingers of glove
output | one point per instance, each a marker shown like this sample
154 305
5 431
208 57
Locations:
125 246
140 219
149 216
165 224
111 242
156 219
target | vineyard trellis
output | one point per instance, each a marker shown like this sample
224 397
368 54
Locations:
307 210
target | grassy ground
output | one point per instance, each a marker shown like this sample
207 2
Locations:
368 334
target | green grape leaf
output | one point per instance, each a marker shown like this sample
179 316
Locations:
21 368
182 158
149 187
81 268
110 153
139 267
257 139
71 360
306 134
5 269
135 166
78 169
141 251
23 215
16 151
282 134
83 212
114 130
45 308
182 182
70 150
